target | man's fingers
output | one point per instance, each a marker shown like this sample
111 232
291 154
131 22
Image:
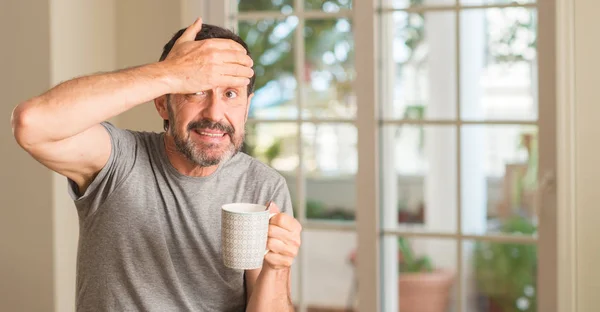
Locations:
227 44
236 70
236 57
231 81
286 222
279 261
279 247
190 33
289 238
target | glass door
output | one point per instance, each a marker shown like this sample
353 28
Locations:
417 139
463 136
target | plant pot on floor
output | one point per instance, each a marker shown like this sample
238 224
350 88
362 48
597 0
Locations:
426 291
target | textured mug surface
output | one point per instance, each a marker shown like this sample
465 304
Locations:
244 229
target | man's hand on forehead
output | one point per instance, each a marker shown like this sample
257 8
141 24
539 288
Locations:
197 66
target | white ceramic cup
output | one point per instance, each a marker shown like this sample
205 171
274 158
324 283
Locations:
244 231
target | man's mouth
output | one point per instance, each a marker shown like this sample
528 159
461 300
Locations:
216 135
210 133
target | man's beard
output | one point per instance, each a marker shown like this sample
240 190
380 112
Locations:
203 154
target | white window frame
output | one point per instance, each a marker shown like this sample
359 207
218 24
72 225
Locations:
368 229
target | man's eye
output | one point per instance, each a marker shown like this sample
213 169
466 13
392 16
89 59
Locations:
196 95
231 94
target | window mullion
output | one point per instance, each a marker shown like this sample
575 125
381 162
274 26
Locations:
367 183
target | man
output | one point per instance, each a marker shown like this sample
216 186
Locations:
148 203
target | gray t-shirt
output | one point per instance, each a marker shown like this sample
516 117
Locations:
149 236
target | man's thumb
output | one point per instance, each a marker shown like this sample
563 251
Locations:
273 208
190 33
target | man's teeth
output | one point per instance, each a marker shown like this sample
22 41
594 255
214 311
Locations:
213 134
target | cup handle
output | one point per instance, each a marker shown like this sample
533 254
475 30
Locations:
270 216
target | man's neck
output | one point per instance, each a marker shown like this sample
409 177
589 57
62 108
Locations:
184 165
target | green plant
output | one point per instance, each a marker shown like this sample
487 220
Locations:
506 272
409 262
318 210
314 209
273 151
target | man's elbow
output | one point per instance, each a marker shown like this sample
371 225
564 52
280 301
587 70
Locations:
23 125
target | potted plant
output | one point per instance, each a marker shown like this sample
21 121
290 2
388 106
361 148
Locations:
505 273
422 288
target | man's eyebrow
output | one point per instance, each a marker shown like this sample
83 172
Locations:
236 88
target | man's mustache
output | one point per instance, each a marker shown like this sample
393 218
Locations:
207 124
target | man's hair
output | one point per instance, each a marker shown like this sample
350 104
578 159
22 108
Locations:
208 31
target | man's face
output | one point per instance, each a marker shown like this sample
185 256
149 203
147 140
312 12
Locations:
208 127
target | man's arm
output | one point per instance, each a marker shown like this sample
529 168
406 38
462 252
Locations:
61 128
269 288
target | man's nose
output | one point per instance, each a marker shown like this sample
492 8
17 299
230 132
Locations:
215 109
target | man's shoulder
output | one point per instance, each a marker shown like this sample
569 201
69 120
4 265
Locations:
255 167
112 128
147 138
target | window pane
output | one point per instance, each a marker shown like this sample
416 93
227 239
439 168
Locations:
419 274
499 178
284 6
330 161
329 6
484 2
500 277
329 69
271 42
420 194
330 278
275 144
499 64
419 70
403 4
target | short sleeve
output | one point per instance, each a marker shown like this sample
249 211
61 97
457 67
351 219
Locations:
282 197
122 157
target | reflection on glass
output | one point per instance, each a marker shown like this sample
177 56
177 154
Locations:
419 77
421 192
500 277
283 6
330 162
403 4
270 43
424 274
329 69
275 144
330 279
499 178
329 6
499 64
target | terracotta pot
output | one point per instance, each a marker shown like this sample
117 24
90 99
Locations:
425 292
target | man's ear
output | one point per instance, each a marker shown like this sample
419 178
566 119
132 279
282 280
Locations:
249 103
161 106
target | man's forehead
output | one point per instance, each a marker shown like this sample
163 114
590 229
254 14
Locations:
224 88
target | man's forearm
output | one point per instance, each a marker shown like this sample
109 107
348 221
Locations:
271 292
76 105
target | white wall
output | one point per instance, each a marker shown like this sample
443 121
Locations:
26 273
82 42
587 151
45 43
143 28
